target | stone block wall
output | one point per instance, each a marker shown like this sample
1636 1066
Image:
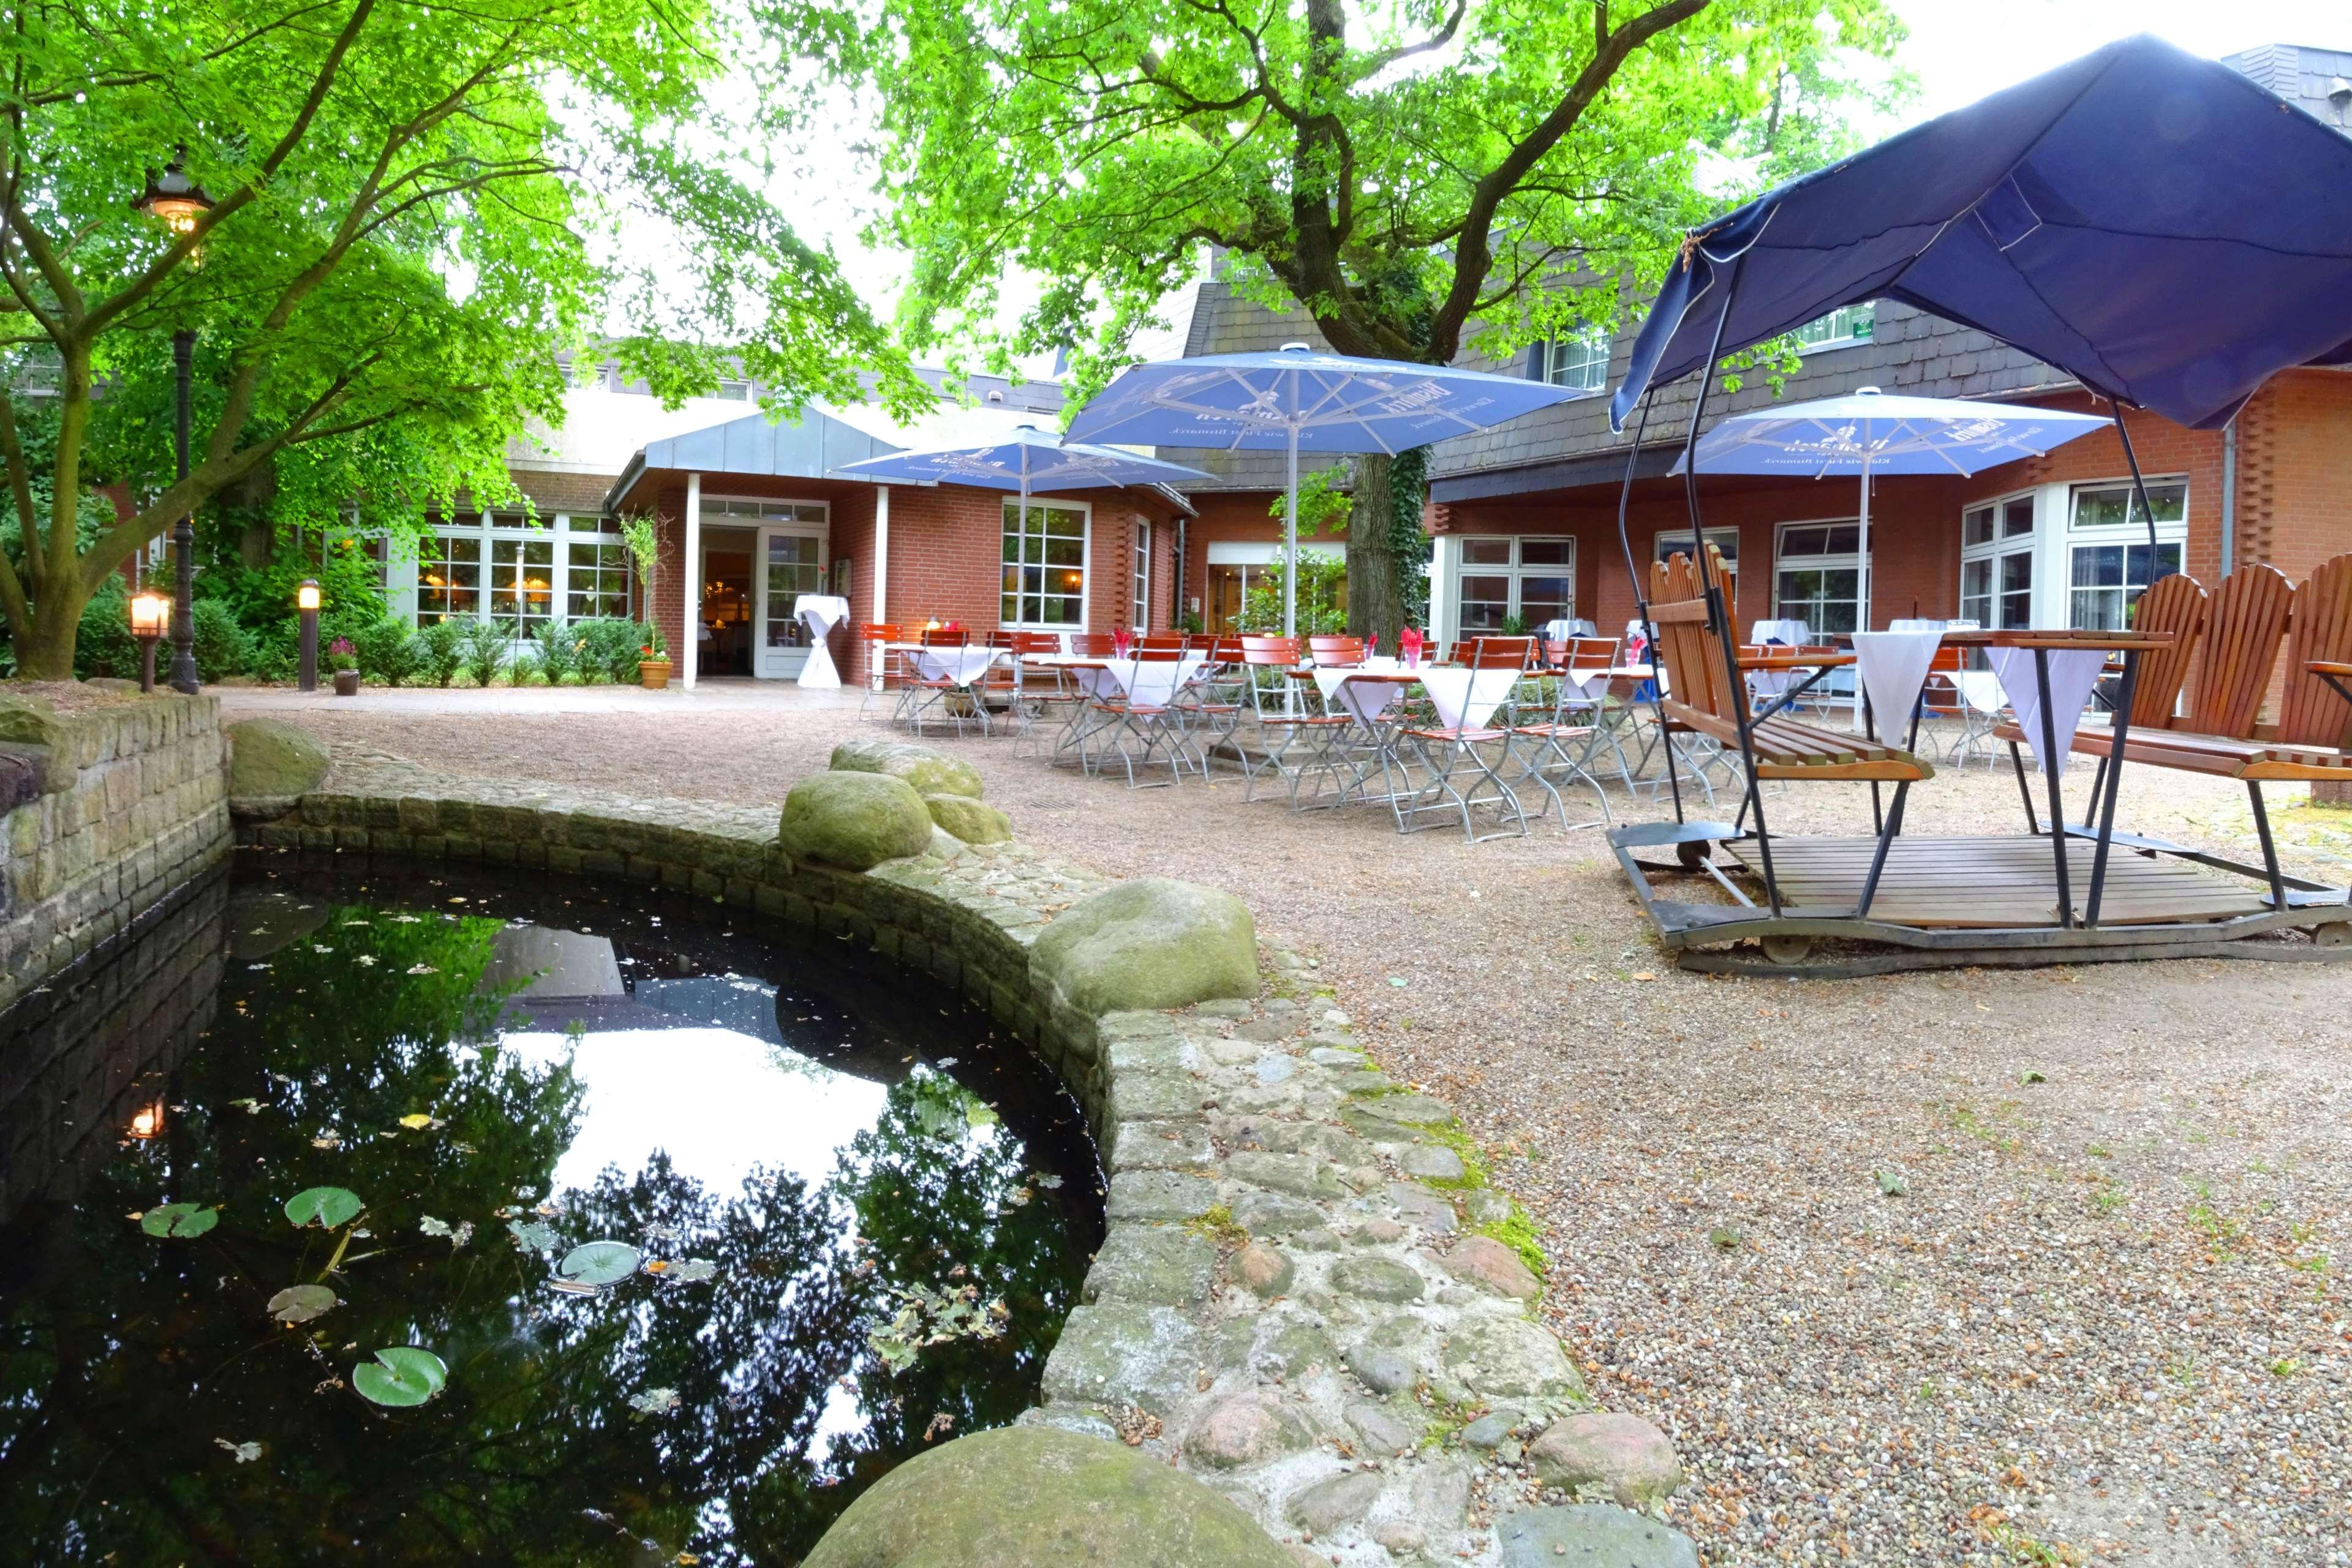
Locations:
116 801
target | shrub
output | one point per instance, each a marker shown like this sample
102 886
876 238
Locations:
441 651
561 646
223 648
484 648
388 650
103 644
609 645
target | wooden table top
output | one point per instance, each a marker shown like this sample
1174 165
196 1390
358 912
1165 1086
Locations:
2056 638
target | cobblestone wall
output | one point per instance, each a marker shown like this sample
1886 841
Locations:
115 801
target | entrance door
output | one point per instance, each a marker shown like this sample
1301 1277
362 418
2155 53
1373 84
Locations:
792 563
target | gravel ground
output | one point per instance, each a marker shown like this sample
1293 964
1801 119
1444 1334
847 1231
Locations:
2100 1319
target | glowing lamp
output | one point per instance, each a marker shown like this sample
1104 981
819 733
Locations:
306 597
150 613
305 600
147 1122
174 199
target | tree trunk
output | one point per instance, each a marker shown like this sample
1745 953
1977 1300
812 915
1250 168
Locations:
47 651
1375 607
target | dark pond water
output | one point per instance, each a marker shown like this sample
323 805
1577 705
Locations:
857 1223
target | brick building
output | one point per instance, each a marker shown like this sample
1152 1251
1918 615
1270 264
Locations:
1524 516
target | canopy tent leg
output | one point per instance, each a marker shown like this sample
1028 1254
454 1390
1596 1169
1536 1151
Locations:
2139 489
1642 587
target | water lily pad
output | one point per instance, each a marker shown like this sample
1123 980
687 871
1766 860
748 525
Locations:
178 1219
416 1121
599 1263
300 1303
535 1235
400 1375
693 1270
326 1206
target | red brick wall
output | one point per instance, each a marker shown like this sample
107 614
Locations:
2294 472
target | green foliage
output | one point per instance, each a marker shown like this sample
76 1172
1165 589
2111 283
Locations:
1322 596
388 650
104 644
1324 503
414 209
261 597
561 646
223 648
482 647
608 648
441 650
642 535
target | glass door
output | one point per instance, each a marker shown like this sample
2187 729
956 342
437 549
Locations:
790 563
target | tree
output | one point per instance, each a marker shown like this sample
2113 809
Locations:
412 206
1421 176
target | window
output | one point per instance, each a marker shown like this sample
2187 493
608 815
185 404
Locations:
582 373
1138 609
734 391
596 580
1673 541
449 576
1996 563
1531 579
1842 327
2104 579
1579 363
1817 578
2113 506
2108 578
794 568
1045 566
522 582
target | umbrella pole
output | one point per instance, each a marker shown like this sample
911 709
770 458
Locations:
1862 589
1290 533
2139 489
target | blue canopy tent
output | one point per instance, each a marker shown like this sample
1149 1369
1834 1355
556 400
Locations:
2154 225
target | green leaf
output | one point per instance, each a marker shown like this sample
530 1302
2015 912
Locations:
178 1219
535 1236
400 1375
1891 1184
325 1207
599 1263
300 1303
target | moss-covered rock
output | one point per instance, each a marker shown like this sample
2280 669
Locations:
1152 943
853 820
968 819
272 763
1034 1497
930 772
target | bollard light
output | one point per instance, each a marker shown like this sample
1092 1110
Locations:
147 1122
306 599
151 618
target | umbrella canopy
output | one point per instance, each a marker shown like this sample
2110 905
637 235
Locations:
1029 459
2155 225
1298 400
1868 433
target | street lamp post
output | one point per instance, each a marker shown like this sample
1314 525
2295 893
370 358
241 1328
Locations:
305 600
180 204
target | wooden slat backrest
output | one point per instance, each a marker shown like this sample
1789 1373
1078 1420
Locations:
1692 652
2176 605
2312 712
1502 653
1280 652
2248 616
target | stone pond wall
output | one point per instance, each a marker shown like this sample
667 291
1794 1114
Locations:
1308 1299
115 801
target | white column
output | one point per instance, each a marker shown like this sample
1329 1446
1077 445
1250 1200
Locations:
881 575
689 573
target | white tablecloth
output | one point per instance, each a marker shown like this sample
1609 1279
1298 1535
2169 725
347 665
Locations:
1156 683
961 665
1793 633
1367 699
820 613
1893 667
2073 673
1979 689
1568 627
1466 699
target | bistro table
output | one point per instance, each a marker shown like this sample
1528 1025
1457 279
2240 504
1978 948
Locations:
2049 675
820 613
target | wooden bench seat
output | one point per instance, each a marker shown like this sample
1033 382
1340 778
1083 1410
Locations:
1788 748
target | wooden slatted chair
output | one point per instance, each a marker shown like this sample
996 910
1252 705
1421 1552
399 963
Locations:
1706 695
885 668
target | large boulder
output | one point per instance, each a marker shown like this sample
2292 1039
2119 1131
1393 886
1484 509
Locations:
854 821
1035 1497
1148 944
972 821
271 764
930 772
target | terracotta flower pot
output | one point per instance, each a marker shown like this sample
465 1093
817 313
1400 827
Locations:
654 673
347 683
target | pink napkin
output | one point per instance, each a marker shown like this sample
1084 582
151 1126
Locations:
1409 645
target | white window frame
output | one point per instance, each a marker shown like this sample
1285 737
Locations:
1677 540
2125 533
1086 511
1516 571
1139 613
1997 551
1836 330
1838 563
1590 351
559 531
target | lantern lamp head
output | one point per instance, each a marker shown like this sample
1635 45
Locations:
306 594
172 197
147 1122
150 613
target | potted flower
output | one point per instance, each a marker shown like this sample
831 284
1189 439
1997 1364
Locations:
344 660
653 661
643 536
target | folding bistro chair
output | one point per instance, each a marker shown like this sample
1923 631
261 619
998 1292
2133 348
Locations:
1149 714
1457 777
1285 710
952 702
886 666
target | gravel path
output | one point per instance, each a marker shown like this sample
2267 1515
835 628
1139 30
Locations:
2102 1320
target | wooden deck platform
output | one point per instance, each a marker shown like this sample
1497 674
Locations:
1998 882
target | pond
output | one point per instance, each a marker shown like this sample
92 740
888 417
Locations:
625 1236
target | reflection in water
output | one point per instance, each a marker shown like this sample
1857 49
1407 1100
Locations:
472 1076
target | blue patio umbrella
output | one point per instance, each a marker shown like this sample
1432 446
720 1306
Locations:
1298 400
1029 459
1867 433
